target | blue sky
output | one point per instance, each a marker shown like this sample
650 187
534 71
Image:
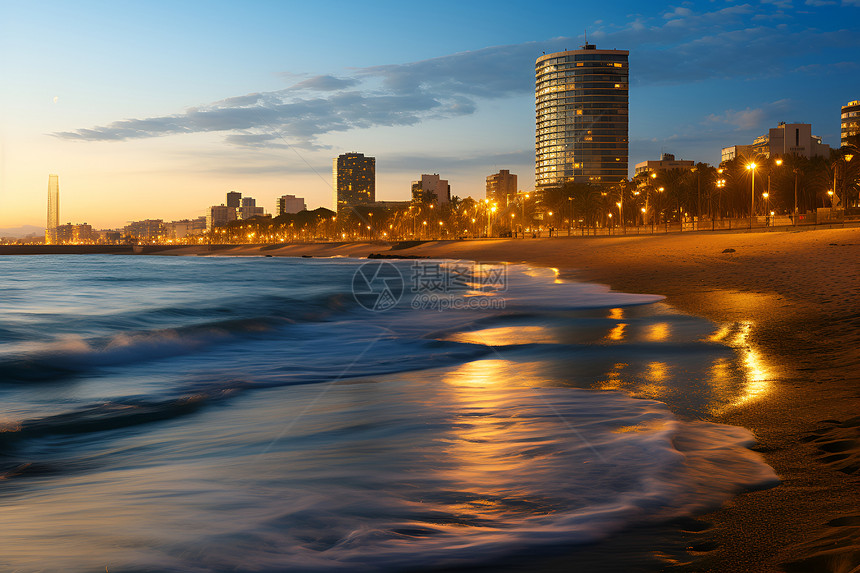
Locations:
155 110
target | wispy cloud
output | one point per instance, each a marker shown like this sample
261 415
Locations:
675 46
751 118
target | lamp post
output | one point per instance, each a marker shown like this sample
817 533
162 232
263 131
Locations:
648 200
796 170
570 214
720 184
766 197
751 167
842 161
523 225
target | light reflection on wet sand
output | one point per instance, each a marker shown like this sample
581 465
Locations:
695 371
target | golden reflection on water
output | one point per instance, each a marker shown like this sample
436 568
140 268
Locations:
614 379
656 376
721 334
616 314
758 373
489 435
506 335
617 333
658 332
721 375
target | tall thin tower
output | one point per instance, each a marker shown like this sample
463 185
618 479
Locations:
53 209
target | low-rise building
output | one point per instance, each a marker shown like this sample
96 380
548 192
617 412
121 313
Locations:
146 230
290 204
667 161
431 189
249 209
219 216
784 139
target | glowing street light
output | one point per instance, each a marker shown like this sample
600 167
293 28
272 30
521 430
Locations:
751 167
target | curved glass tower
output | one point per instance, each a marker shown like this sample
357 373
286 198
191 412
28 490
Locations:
581 114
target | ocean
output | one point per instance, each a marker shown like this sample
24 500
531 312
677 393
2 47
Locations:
272 414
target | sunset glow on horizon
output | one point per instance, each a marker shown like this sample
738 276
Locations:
156 111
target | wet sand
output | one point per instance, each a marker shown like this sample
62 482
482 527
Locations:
800 293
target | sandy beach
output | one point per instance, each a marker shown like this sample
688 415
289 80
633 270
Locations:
799 292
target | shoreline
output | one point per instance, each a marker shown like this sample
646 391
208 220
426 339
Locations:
798 290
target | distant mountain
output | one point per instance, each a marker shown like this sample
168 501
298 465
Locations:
22 231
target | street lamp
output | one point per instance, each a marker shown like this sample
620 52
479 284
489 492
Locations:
569 214
720 184
778 163
841 161
526 196
766 197
751 167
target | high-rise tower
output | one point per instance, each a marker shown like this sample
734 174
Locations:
354 180
53 209
581 116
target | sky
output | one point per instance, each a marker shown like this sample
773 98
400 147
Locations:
158 109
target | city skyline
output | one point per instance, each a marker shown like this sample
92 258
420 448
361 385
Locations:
113 109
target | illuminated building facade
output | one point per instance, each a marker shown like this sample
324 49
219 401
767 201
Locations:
581 108
249 209
850 120
354 180
219 216
290 204
431 189
53 210
502 187
149 230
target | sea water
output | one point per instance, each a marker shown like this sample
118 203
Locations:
273 414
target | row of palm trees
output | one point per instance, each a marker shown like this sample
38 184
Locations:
741 188
786 185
